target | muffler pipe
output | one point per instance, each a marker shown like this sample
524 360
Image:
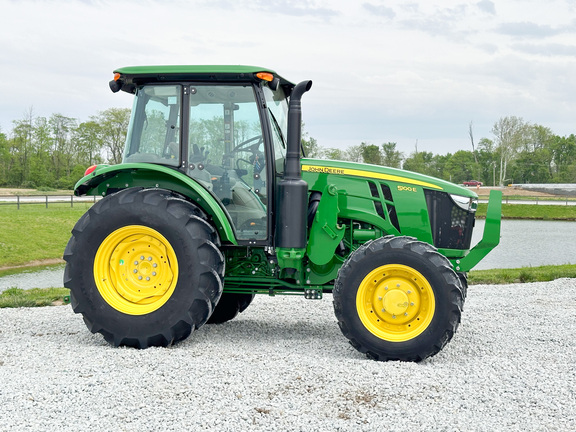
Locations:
291 207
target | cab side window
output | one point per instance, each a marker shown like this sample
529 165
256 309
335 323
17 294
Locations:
155 132
226 154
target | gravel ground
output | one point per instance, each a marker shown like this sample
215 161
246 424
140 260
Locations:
283 365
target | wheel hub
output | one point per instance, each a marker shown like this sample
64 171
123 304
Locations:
135 269
148 274
395 302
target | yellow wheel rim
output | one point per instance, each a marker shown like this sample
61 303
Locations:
395 302
136 270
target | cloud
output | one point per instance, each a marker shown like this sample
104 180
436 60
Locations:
298 8
379 10
295 8
433 63
487 6
548 50
446 22
528 29
488 48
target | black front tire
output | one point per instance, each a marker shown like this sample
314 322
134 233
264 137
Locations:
397 298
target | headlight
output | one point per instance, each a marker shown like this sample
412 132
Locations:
465 203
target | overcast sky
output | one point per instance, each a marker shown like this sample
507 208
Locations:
402 71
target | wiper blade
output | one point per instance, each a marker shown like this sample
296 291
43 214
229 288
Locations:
277 127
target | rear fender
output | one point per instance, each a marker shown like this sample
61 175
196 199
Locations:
106 179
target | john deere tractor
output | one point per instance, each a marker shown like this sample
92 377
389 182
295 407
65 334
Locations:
215 202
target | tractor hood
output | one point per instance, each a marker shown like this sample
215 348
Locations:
383 173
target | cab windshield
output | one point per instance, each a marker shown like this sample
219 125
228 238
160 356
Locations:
278 117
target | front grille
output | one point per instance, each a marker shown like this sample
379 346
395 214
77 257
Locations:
451 225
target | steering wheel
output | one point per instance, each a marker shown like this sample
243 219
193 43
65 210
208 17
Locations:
246 161
252 148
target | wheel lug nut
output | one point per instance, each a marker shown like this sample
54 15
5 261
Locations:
397 285
142 257
135 262
405 313
412 304
379 298
408 292
139 277
148 278
149 258
154 265
153 273
135 271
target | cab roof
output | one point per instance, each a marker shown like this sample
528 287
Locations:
137 75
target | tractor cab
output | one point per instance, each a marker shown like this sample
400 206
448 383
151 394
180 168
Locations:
217 134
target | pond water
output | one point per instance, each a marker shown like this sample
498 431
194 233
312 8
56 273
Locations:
50 277
523 244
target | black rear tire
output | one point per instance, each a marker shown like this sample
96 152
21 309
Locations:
397 298
229 306
144 268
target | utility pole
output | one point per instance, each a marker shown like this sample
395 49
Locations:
471 134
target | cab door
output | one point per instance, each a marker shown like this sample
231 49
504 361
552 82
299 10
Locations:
226 153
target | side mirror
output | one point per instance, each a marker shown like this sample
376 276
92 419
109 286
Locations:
115 85
274 84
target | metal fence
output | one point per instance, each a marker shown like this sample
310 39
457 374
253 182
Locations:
19 200
558 201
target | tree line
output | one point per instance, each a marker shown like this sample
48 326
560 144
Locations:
54 152
517 152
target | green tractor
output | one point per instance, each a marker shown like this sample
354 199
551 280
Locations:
214 203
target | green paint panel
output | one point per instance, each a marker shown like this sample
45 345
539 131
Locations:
191 69
325 232
377 172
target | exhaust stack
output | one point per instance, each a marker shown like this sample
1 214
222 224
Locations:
292 194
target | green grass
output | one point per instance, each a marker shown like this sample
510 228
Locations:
521 275
16 297
532 211
35 232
